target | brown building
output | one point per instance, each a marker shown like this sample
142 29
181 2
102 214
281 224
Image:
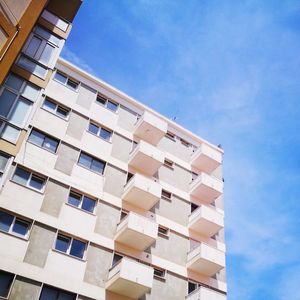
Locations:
32 34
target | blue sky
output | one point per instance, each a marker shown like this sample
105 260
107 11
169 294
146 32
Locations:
230 72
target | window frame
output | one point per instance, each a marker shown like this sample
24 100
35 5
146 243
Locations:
161 276
100 128
68 78
8 163
169 163
164 196
57 106
107 100
19 95
44 42
44 138
31 174
11 284
57 289
163 231
13 233
93 158
71 239
81 202
170 136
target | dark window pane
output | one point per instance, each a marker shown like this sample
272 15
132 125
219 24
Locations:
192 287
101 100
49 105
20 227
6 280
62 243
50 144
62 112
36 182
21 176
6 102
112 106
33 46
49 293
14 82
72 84
88 204
36 137
74 199
97 166
5 221
116 259
60 77
105 134
66 296
93 128
85 160
77 248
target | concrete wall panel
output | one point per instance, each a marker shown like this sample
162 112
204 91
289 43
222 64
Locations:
67 157
121 147
126 119
114 180
40 242
55 195
98 263
77 125
107 219
86 96
25 289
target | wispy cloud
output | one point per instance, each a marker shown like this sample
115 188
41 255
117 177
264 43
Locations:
229 71
76 60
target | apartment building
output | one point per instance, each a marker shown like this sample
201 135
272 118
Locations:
101 197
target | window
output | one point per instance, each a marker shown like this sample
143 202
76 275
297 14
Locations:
11 224
192 286
168 163
56 108
6 280
129 176
65 80
56 21
170 135
124 214
16 99
42 46
29 179
91 163
70 246
159 273
107 103
42 140
185 143
116 259
193 207
163 231
51 293
166 195
4 158
100 131
81 201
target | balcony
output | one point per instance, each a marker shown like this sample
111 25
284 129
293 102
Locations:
206 221
150 128
206 260
206 159
130 278
142 192
146 158
136 231
206 187
203 293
